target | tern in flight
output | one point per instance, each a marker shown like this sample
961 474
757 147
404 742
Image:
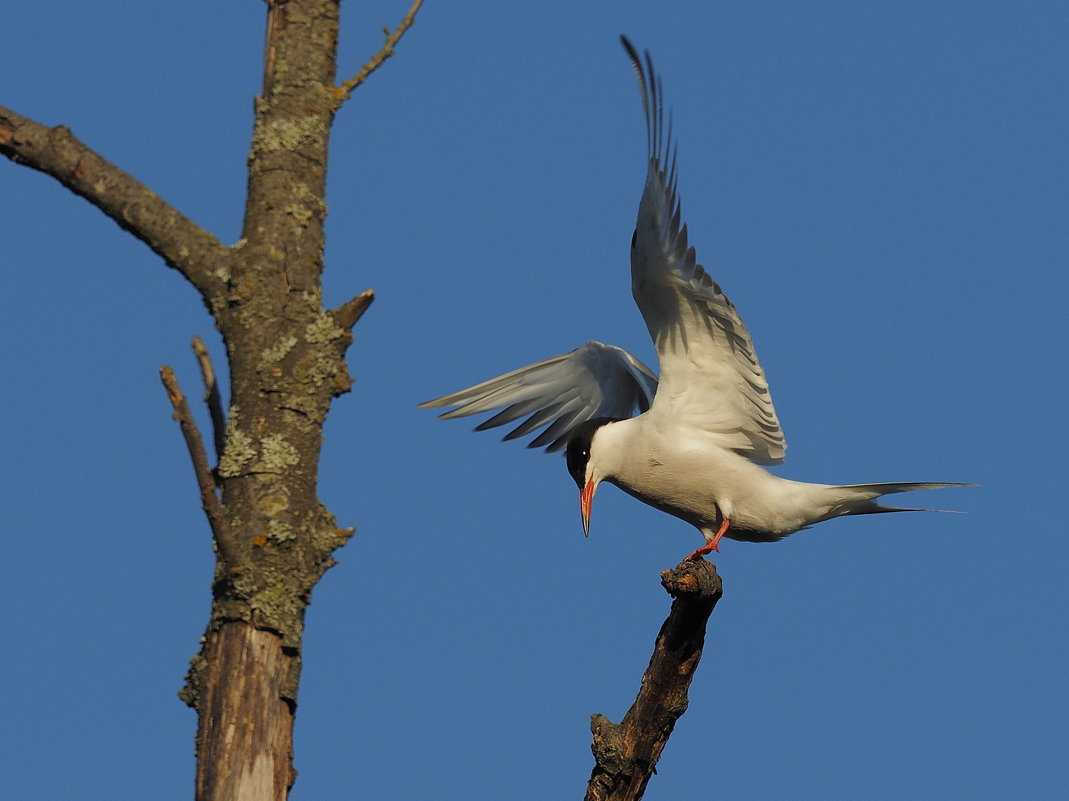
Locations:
705 426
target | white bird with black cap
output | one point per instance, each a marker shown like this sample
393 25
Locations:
704 427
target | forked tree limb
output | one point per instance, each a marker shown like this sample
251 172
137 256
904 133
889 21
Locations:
184 245
626 753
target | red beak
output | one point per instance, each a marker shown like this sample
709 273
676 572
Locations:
586 498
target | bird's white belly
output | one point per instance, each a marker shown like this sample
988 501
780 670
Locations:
703 486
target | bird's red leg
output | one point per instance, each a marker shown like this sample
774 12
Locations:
709 547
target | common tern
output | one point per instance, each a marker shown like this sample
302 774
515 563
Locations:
705 426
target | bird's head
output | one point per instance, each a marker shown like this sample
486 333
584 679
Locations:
583 464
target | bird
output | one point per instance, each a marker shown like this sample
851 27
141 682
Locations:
693 442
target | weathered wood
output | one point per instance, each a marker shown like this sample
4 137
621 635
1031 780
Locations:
246 744
626 753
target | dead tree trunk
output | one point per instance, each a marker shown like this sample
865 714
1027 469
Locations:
273 538
626 753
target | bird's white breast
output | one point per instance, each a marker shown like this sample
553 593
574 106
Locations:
681 470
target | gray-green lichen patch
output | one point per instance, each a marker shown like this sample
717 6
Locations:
300 213
277 454
277 351
323 329
276 600
280 532
331 537
222 272
274 596
238 451
218 303
307 205
316 369
285 134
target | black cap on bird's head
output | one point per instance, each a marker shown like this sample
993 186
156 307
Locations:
578 456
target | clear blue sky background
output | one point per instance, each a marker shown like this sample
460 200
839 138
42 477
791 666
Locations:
882 188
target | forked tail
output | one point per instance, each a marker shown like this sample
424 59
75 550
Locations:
860 499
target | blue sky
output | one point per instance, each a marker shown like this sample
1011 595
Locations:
882 190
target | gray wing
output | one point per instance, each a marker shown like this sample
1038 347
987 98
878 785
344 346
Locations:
710 376
594 380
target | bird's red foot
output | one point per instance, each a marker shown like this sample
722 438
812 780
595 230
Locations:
701 552
711 546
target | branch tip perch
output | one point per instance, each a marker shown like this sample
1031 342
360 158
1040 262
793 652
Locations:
626 753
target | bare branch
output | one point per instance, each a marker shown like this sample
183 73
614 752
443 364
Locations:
213 507
380 57
211 395
626 754
184 245
349 313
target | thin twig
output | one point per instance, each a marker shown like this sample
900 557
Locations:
213 507
380 57
211 395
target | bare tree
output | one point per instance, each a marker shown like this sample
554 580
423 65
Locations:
273 538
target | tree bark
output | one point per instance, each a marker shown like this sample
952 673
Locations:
246 740
273 538
626 753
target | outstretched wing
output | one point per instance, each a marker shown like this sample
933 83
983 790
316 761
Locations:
710 376
594 380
